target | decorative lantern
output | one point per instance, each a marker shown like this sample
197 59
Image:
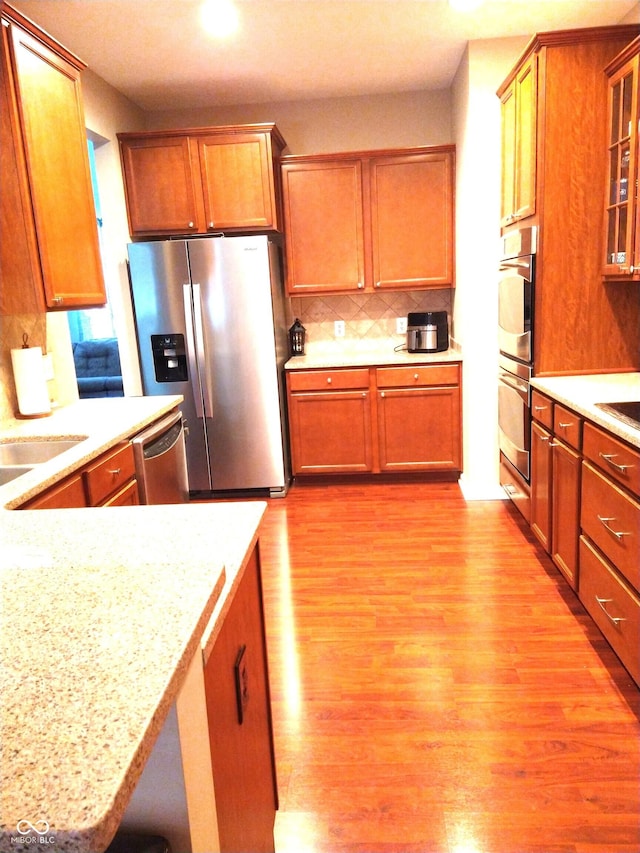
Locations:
296 338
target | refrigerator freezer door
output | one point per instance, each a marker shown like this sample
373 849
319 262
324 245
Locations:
158 273
241 367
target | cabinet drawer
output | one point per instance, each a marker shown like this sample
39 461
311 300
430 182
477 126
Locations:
567 426
620 462
109 474
612 520
542 409
432 374
323 380
608 599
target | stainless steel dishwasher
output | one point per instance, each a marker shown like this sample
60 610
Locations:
161 462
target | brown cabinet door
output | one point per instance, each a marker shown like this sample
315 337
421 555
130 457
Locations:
324 226
622 212
331 433
55 145
237 182
162 184
541 485
519 109
21 288
412 220
565 521
240 733
68 494
419 429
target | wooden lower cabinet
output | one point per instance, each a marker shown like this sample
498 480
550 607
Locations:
565 512
240 729
419 429
555 483
107 481
375 420
331 432
68 494
541 480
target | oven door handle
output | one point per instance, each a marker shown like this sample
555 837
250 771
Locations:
516 384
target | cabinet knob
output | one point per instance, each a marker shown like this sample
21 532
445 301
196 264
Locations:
416 376
360 285
58 300
377 284
328 380
211 225
191 225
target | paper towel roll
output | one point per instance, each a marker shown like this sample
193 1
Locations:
31 384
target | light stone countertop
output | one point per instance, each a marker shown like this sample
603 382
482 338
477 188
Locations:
581 392
367 356
100 424
103 610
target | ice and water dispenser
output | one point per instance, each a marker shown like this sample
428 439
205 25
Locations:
169 358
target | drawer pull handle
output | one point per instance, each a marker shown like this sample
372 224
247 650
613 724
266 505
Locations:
539 408
115 472
564 426
615 620
605 523
609 457
544 438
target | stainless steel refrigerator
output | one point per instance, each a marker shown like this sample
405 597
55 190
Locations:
211 325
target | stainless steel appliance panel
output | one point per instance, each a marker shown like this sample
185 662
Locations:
515 307
158 272
161 462
211 326
233 282
514 414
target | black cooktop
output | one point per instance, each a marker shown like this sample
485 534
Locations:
627 412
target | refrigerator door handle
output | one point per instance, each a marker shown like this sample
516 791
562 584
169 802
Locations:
201 355
191 350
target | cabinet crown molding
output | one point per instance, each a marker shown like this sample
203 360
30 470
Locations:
10 14
564 38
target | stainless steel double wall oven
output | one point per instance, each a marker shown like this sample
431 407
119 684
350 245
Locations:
516 341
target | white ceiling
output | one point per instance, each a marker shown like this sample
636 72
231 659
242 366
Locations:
155 53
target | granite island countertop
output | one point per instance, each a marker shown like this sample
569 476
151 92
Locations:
98 424
581 393
103 611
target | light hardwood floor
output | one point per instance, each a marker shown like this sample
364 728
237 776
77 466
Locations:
436 685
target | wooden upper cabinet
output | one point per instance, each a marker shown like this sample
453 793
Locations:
369 220
49 177
408 194
202 180
238 181
161 181
323 214
622 208
518 103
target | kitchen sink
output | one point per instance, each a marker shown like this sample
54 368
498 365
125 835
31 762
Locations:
10 472
21 453
629 412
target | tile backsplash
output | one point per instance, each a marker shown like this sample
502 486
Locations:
370 318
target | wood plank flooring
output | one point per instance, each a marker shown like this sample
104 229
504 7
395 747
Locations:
436 685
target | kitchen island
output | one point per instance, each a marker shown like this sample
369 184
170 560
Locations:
108 614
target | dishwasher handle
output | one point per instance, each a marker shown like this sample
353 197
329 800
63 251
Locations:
160 437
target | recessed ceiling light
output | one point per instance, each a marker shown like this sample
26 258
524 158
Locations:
219 17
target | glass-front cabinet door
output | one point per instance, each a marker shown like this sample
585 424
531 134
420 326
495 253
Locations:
622 211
